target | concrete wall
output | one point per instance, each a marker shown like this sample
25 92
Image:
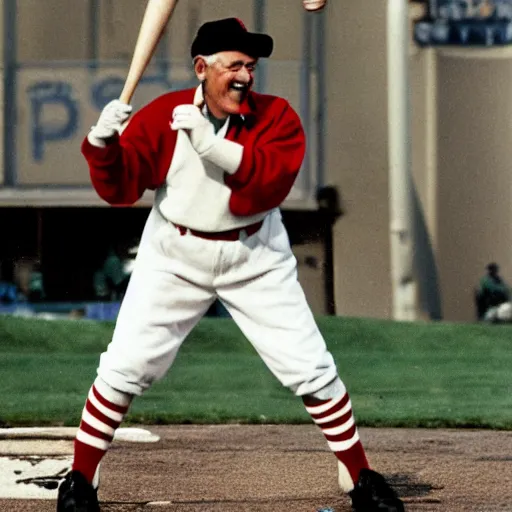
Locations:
357 155
474 176
1 127
52 30
310 271
47 30
461 154
1 98
1 38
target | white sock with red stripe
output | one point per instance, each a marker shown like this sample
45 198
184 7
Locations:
103 412
335 419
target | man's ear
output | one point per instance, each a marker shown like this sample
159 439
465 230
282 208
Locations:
200 68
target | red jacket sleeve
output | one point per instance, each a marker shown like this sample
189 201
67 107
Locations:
271 160
135 161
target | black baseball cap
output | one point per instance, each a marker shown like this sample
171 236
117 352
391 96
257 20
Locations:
230 34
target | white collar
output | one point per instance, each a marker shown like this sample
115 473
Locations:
199 102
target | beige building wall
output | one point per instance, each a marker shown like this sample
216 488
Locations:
120 21
1 38
356 142
52 30
47 31
475 172
357 162
310 270
1 127
1 98
461 154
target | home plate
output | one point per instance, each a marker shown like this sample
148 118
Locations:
33 461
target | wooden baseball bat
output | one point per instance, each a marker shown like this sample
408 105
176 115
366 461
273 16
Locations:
156 17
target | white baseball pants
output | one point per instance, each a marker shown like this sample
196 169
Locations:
175 280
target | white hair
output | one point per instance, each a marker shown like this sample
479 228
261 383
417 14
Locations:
209 59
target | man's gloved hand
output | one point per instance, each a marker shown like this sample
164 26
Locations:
224 153
201 131
113 115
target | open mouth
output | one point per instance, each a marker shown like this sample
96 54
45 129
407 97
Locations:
239 86
238 90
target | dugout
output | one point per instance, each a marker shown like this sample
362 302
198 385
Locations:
69 244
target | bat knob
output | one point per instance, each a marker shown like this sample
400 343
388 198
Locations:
314 5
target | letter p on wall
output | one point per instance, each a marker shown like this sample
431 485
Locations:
54 114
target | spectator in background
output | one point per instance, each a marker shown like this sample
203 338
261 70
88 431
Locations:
491 293
99 283
111 279
36 291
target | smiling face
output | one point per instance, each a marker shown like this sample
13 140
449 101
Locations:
227 79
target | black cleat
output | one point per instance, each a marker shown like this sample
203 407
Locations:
76 494
373 494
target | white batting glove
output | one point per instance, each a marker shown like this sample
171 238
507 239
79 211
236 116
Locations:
201 131
224 153
113 115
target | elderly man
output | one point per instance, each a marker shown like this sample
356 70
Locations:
221 159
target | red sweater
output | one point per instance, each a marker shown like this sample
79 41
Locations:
271 134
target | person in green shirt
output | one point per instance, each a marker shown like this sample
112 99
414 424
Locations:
36 290
111 279
492 291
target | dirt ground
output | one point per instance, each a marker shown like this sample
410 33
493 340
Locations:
289 468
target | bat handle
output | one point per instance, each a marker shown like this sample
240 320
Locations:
127 93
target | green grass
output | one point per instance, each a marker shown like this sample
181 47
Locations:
398 374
